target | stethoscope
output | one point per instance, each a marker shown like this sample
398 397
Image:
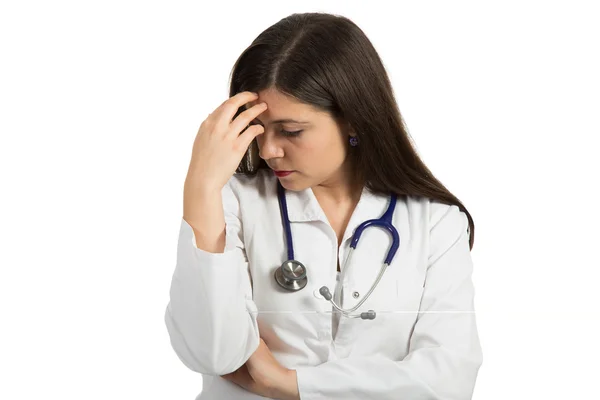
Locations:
292 274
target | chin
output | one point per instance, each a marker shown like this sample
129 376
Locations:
293 185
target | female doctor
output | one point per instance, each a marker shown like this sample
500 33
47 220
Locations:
318 257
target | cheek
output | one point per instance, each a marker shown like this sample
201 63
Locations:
321 151
325 142
334 149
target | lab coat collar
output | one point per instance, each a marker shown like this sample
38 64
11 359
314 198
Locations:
303 206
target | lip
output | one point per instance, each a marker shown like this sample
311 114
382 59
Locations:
282 173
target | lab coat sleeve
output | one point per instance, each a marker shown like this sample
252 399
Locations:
211 317
444 354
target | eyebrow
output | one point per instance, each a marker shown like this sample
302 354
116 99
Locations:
286 120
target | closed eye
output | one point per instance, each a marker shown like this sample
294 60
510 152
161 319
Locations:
283 131
288 133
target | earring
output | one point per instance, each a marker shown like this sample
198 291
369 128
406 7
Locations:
353 141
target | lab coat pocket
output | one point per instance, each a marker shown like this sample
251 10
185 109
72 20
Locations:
395 293
271 297
383 298
395 301
293 311
293 323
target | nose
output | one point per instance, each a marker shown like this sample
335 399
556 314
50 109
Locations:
268 147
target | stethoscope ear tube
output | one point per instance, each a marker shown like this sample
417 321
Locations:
370 314
364 315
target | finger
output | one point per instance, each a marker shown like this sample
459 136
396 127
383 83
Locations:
226 111
244 140
244 119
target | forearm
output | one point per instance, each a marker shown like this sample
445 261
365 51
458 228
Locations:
287 389
213 327
203 211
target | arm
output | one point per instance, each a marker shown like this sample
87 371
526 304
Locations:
211 317
445 352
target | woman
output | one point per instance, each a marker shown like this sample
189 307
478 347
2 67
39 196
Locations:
309 146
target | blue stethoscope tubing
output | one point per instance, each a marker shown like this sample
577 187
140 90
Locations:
292 274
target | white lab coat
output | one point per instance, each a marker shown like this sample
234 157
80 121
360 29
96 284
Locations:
423 344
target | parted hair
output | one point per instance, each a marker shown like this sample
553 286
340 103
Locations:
326 61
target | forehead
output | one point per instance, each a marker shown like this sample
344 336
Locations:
278 102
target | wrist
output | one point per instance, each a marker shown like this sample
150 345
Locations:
197 186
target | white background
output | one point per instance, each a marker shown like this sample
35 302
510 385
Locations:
100 103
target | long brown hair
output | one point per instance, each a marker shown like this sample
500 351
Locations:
326 61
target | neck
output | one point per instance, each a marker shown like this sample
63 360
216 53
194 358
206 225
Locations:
341 189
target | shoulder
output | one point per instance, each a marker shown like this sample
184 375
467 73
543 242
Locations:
447 214
434 215
448 226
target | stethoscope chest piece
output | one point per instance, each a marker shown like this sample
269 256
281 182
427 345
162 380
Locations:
291 275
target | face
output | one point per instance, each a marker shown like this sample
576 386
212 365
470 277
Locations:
314 147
